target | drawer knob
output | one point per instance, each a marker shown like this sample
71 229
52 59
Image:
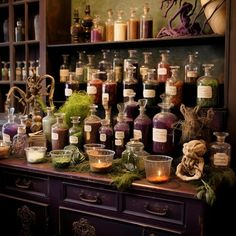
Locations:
94 199
23 183
157 210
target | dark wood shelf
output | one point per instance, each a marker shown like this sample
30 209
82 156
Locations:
4 44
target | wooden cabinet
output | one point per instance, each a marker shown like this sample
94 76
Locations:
64 203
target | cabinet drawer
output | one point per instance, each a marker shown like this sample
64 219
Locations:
21 183
83 195
157 209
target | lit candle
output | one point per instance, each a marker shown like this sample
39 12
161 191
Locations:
159 177
100 166
4 150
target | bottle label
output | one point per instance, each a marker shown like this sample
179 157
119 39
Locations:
137 134
105 98
149 93
119 135
171 90
91 89
79 71
68 92
143 72
118 142
220 159
162 71
73 140
127 92
55 136
6 138
87 128
64 72
103 137
159 135
192 74
204 91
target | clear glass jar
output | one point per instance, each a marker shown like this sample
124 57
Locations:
133 25
92 123
76 133
20 142
163 139
59 132
163 67
47 123
207 88
94 87
106 134
121 131
97 30
64 69
109 24
220 151
120 27
143 126
109 90
174 87
145 66
150 88
9 129
133 155
76 30
146 23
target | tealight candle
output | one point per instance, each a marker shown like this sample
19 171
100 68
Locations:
4 149
100 166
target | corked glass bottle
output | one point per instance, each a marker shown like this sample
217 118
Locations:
97 30
87 23
146 23
109 26
163 67
59 132
76 132
145 66
64 69
106 134
76 29
133 25
120 27
79 68
92 123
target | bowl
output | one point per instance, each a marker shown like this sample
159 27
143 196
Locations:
157 168
35 154
100 160
92 146
61 158
4 149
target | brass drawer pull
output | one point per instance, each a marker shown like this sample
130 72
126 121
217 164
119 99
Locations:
23 183
159 210
94 199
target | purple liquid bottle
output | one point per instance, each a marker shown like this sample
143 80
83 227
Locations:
163 141
106 134
121 130
9 129
131 107
143 126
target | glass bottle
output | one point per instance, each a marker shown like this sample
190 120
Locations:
133 25
129 84
76 30
117 65
47 123
9 129
87 23
109 90
109 24
145 66
143 126
174 87
131 107
207 88
163 139
92 123
59 132
89 67
79 68
20 142
121 131
150 88
31 68
76 132
18 71
220 151
133 155
24 71
106 134
64 69
190 80
94 87
5 72
19 31
97 30
146 23
6 30
71 85
163 67
105 64
120 27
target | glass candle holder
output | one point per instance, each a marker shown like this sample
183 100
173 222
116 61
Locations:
157 168
4 149
93 146
100 160
61 158
35 154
